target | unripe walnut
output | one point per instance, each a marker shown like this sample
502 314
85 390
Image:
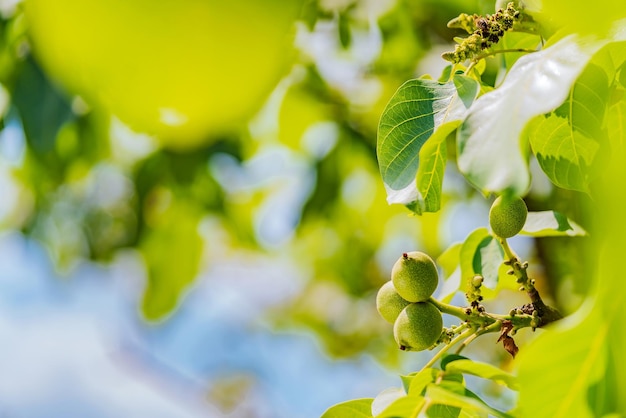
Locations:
418 326
415 276
507 216
389 303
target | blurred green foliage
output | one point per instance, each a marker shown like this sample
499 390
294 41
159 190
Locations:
88 186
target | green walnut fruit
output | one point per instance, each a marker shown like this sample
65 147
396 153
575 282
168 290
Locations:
389 303
507 216
415 276
418 326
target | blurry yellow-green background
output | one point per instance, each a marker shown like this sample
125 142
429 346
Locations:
192 219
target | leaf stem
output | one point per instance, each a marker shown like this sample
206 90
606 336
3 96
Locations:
502 51
495 327
441 352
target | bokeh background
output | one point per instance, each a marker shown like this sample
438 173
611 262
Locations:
192 219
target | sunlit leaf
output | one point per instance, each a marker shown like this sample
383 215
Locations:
616 120
568 142
386 398
421 380
406 407
357 408
484 370
440 394
550 223
489 150
584 17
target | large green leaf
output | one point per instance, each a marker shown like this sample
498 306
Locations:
357 408
569 359
416 111
584 17
489 150
562 371
567 143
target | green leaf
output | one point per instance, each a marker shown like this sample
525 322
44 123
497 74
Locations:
488 258
583 17
406 407
489 151
42 108
484 370
616 120
439 410
468 253
575 353
442 395
467 88
449 358
406 380
421 380
413 114
386 398
443 411
550 223
432 157
567 143
172 248
357 408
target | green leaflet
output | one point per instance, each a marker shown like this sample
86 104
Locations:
420 110
484 370
357 408
489 150
457 396
567 143
616 120
487 260
575 353
550 223
408 406
433 157
386 398
481 254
